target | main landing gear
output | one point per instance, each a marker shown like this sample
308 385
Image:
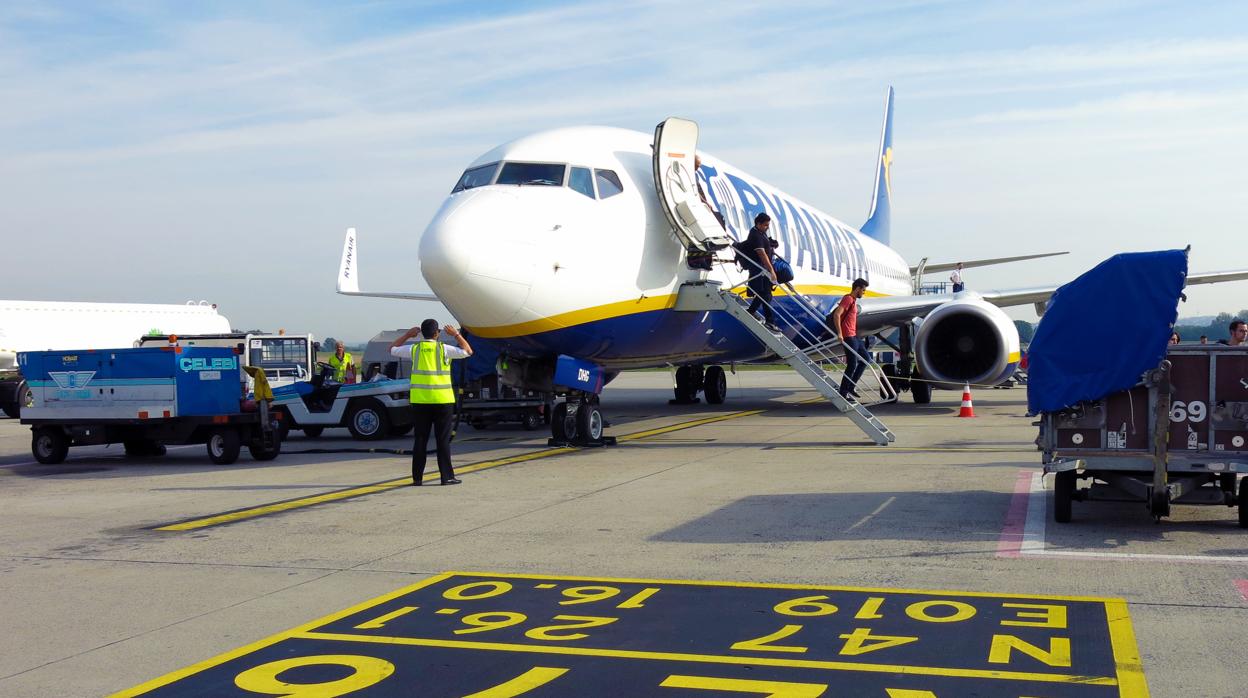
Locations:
578 421
690 380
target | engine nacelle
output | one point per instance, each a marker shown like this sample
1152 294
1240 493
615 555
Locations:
967 341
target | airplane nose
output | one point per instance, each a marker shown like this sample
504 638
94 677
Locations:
477 258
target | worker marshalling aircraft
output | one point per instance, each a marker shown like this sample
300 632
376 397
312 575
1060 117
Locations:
569 251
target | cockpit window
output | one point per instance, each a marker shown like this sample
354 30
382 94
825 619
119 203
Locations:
580 180
476 177
532 173
608 183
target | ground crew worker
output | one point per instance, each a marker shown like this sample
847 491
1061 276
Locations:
432 395
342 363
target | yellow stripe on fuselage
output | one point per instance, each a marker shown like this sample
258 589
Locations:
618 309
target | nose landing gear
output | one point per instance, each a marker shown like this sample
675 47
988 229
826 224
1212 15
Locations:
578 422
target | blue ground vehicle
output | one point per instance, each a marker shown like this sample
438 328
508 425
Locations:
143 398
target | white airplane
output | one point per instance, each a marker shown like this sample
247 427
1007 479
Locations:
568 249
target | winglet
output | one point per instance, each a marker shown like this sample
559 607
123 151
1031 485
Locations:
349 274
877 225
348 268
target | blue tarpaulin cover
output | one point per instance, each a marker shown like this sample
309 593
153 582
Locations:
1103 330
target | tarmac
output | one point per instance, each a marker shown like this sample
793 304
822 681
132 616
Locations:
770 492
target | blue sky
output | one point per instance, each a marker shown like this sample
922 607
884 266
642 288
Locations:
161 152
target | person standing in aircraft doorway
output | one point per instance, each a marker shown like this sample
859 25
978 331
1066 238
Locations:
432 394
956 278
845 322
763 274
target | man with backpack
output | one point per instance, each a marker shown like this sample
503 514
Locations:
759 267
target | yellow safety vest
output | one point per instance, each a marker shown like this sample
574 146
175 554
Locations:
431 374
340 367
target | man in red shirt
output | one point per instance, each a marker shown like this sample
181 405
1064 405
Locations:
845 324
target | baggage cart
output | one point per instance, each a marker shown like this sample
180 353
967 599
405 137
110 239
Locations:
1179 437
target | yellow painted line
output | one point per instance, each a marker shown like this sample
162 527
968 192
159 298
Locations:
1126 652
273 639
719 659
768 585
339 495
279 507
688 425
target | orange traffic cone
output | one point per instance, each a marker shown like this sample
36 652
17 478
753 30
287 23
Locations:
968 410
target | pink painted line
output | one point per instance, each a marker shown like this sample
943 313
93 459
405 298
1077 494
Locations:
1011 542
1242 585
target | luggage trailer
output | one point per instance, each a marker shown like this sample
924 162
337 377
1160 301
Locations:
1178 437
143 399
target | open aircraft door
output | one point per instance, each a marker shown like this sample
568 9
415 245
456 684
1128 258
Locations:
675 180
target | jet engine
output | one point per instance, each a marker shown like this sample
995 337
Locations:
967 341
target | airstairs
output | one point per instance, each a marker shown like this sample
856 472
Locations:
809 362
807 343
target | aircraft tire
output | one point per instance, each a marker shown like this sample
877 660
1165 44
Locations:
715 385
686 389
562 424
49 445
589 422
921 391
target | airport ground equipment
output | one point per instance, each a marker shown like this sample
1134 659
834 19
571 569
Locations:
1179 437
1119 407
285 358
809 361
43 325
143 398
482 399
373 410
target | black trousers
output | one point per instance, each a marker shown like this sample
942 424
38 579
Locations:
760 285
439 418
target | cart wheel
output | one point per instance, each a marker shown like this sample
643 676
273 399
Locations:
1063 492
397 430
589 422
532 420
224 446
1159 506
1243 503
259 452
368 421
50 445
313 432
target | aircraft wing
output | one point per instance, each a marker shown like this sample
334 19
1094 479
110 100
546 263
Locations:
895 310
946 266
349 275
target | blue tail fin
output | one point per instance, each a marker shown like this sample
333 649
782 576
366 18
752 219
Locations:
877 225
